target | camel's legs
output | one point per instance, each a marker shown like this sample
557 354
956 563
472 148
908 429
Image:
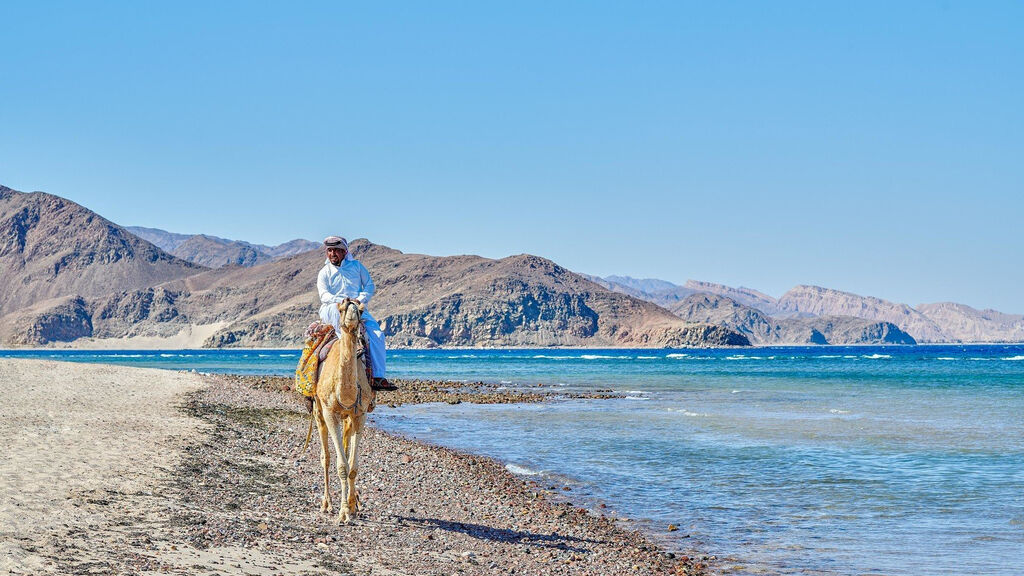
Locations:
334 428
325 457
354 429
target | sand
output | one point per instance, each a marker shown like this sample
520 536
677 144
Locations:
117 470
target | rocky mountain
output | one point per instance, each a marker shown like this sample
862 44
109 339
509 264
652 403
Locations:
214 252
817 301
422 300
744 296
765 330
966 324
51 247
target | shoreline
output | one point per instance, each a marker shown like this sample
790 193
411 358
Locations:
75 346
229 497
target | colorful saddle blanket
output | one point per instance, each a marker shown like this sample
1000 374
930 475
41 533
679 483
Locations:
320 338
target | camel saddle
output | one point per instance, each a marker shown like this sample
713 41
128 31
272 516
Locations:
320 338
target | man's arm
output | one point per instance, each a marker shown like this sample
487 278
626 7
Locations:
321 286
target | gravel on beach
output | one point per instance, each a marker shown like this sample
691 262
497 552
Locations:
236 497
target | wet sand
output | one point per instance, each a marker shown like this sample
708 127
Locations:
135 471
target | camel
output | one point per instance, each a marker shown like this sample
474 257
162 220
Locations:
343 397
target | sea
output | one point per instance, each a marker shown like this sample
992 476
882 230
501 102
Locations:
782 460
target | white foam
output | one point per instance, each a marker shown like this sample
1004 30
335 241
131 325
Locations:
877 356
742 357
599 357
636 398
945 358
521 470
1014 358
736 391
546 357
168 355
835 411
829 356
646 357
677 356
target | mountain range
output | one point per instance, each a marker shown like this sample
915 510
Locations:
769 320
214 252
141 296
67 275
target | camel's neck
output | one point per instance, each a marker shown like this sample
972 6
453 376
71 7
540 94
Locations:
347 365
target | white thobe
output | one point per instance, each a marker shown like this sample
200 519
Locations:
351 280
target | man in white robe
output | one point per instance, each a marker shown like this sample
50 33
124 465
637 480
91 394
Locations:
345 277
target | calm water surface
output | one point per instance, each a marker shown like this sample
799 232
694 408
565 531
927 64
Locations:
789 460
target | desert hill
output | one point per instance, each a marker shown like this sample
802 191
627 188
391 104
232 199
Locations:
51 247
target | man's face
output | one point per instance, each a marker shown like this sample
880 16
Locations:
335 255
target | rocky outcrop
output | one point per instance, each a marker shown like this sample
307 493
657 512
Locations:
817 301
214 252
966 324
766 330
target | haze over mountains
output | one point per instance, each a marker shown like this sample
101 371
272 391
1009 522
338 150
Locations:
67 275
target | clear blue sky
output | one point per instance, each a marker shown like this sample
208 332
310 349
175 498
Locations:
871 147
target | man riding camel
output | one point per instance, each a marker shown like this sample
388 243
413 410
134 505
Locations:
345 277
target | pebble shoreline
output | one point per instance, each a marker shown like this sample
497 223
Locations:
425 509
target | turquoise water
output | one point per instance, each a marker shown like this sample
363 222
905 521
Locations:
789 460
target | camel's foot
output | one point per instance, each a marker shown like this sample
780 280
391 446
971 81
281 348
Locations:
325 505
346 517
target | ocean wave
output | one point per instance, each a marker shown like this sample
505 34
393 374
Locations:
462 356
876 356
599 357
169 355
742 357
836 411
636 398
677 356
546 357
646 357
945 358
1014 358
521 470
829 356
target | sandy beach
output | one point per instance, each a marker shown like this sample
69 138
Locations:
116 470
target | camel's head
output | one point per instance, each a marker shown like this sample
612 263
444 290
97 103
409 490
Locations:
351 311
